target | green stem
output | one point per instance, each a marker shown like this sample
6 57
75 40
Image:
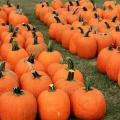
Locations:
50 47
47 4
92 2
110 47
1 74
110 7
52 88
15 46
68 8
87 33
70 63
36 74
96 15
117 28
77 2
103 8
15 32
107 25
114 19
8 3
35 40
75 11
81 30
88 84
70 2
31 58
70 75
80 18
55 13
84 23
10 28
27 26
2 66
17 91
85 9
57 19
18 7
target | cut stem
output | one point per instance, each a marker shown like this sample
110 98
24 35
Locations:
70 75
31 58
50 47
36 74
15 46
52 88
2 66
17 91
88 84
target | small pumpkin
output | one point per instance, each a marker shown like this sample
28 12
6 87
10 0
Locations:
24 103
54 104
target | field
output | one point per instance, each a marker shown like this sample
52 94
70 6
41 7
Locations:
87 67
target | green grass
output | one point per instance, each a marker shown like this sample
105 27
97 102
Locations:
87 67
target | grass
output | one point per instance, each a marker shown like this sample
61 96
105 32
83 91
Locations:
88 67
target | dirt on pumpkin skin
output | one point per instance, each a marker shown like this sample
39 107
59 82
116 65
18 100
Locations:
88 67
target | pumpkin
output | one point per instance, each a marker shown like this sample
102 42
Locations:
14 36
103 58
35 82
24 103
119 79
87 99
62 74
49 56
7 80
113 65
103 40
70 84
3 15
16 54
87 4
24 65
87 46
55 4
53 104
8 8
17 17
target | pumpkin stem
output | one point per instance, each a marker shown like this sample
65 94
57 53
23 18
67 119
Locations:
47 4
17 91
10 28
77 2
27 26
118 48
1 74
36 74
55 13
84 23
15 32
2 24
2 66
85 9
57 19
18 7
117 28
70 63
107 25
68 8
87 33
110 7
31 58
74 12
87 84
103 8
51 88
80 18
110 47
96 15
50 47
114 19
81 30
70 75
8 3
70 2
15 46
35 40
92 2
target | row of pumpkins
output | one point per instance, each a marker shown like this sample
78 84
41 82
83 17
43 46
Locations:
86 31
34 78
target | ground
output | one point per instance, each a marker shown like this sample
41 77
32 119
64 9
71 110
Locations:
88 67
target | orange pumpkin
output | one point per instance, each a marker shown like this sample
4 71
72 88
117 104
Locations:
3 15
87 99
16 54
50 56
113 65
103 58
53 104
35 82
20 99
